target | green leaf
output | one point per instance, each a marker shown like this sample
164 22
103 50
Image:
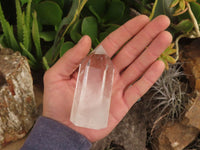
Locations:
45 63
182 4
76 8
174 3
75 31
95 14
40 26
28 15
90 27
170 59
36 36
2 40
26 35
19 20
196 10
97 7
35 2
26 26
65 47
11 41
115 11
24 2
184 26
28 54
59 2
162 7
49 54
104 34
49 13
48 36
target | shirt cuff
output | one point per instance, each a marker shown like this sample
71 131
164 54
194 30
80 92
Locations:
48 134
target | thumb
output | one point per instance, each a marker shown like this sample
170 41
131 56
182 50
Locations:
69 62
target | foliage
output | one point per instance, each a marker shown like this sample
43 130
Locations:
43 34
98 19
184 16
41 22
142 6
166 56
36 22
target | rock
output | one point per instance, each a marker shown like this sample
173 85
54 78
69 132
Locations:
130 132
17 102
175 136
192 114
191 61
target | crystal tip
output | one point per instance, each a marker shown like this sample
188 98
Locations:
100 50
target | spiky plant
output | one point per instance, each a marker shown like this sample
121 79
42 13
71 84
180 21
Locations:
169 94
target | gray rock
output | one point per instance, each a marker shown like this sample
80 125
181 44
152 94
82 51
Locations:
17 102
130 132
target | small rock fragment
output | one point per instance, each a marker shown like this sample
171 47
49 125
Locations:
175 136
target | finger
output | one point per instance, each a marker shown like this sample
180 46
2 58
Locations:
135 46
114 41
138 67
133 93
69 62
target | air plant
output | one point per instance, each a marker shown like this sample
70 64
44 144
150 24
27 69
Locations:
169 93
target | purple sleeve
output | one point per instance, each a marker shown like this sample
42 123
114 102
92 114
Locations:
48 134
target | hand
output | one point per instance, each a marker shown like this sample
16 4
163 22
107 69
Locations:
137 69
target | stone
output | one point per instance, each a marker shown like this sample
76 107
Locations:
130 133
17 101
191 63
192 114
93 91
175 136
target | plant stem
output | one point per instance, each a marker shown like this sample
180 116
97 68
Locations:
177 45
196 26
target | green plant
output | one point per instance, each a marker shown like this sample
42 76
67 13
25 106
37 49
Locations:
142 6
166 56
53 53
37 23
97 19
184 16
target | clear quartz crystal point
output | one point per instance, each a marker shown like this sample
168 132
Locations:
93 91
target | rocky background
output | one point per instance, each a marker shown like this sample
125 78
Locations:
139 130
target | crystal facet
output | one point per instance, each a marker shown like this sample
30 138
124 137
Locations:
93 91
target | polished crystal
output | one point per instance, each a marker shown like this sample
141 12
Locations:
93 91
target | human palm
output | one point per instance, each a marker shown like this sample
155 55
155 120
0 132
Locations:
136 70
